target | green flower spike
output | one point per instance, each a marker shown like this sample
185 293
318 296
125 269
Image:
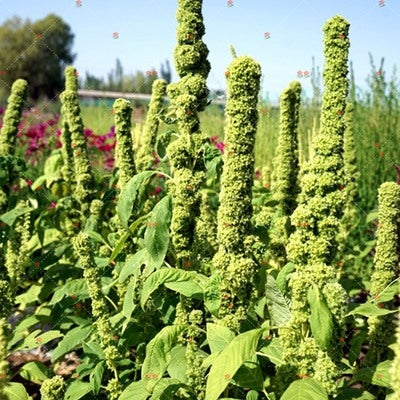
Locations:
386 267
351 176
313 246
12 116
124 150
82 169
188 97
285 186
395 369
92 275
145 154
233 259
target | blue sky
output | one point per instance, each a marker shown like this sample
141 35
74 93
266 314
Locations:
146 34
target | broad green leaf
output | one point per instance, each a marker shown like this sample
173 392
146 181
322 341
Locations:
377 375
158 354
72 339
389 292
120 245
282 278
305 389
30 296
52 168
129 194
77 389
356 343
178 364
278 305
212 294
38 182
371 216
136 390
250 375
38 338
132 265
355 394
274 351
77 288
218 337
321 318
129 301
10 216
252 395
15 391
34 371
156 237
165 389
93 349
97 237
50 235
97 375
242 348
370 310
187 283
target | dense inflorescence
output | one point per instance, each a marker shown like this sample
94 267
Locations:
124 149
83 250
188 97
17 249
83 175
386 265
9 130
12 116
395 369
145 154
285 186
53 388
312 247
234 260
351 178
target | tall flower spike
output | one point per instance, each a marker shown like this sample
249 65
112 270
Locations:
395 368
124 149
83 249
12 116
313 246
285 186
188 97
17 256
145 154
351 177
386 266
83 171
71 83
233 260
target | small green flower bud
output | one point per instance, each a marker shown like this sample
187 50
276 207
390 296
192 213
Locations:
53 389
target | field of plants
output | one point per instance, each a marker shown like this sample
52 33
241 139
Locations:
201 253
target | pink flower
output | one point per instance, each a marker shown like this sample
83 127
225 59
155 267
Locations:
52 205
220 146
158 190
29 182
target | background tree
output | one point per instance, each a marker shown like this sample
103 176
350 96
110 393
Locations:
36 51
